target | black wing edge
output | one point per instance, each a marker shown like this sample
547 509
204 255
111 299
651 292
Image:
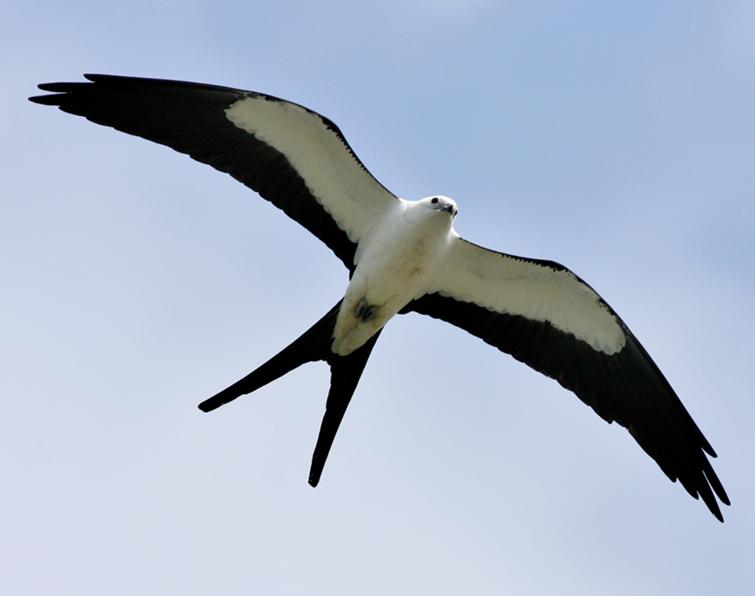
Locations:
626 387
190 118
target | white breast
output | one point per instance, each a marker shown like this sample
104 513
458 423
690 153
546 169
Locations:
396 262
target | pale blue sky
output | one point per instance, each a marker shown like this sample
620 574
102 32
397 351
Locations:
617 140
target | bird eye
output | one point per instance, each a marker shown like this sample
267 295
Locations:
435 200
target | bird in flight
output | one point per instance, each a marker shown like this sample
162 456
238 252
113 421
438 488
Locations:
402 256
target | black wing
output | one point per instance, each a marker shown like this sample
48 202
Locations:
545 316
293 157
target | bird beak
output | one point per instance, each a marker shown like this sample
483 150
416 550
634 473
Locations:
448 209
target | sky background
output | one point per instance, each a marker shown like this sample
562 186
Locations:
616 138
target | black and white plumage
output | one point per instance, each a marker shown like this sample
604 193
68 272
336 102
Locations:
402 256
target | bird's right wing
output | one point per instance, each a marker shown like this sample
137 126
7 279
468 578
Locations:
545 316
293 157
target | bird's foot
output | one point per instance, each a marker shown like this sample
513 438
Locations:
365 311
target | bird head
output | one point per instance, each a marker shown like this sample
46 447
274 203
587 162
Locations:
441 203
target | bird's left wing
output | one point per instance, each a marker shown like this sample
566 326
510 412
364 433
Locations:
293 157
545 316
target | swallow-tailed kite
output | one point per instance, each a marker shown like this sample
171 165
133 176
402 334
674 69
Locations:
402 256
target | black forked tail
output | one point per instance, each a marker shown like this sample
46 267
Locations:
344 376
311 346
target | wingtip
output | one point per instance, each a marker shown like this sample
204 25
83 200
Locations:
712 504
55 92
64 88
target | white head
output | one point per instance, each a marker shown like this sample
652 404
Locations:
442 204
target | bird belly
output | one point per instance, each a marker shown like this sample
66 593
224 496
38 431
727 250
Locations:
395 268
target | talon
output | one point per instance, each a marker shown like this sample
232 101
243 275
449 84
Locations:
364 311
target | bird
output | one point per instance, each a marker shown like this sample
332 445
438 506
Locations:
402 256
